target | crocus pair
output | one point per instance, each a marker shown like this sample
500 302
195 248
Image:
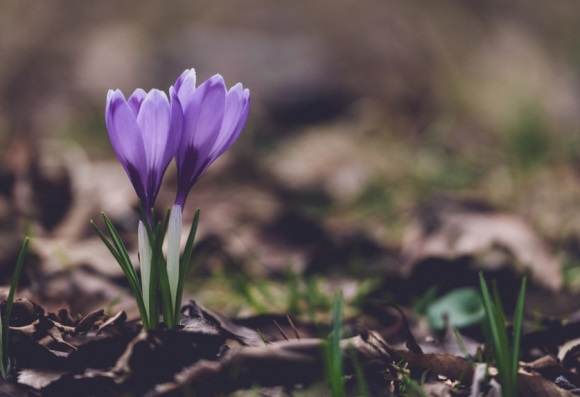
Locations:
195 125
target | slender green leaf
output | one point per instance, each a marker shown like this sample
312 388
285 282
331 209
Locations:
494 327
333 355
107 243
491 318
125 262
506 354
363 389
185 264
159 261
517 328
126 267
16 277
154 275
503 352
5 323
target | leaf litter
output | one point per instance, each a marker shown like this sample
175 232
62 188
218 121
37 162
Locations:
105 352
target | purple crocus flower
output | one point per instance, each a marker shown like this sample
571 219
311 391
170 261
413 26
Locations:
213 118
145 132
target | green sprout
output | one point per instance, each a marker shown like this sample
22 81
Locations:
506 354
363 389
156 281
5 318
333 351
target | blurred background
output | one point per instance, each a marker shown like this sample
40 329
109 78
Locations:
369 120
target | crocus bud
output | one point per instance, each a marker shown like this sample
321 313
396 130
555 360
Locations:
213 118
145 132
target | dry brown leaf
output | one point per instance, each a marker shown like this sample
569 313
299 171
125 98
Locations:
454 230
87 322
115 320
56 334
457 368
538 386
453 367
281 363
244 335
39 378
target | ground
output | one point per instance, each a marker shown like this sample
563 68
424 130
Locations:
393 153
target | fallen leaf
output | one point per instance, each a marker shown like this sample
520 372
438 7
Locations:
39 378
449 230
281 363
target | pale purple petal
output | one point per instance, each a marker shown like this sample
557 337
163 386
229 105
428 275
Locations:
175 129
123 130
235 116
212 121
185 85
136 99
145 132
203 115
126 139
154 120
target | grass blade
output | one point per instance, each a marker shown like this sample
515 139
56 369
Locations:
504 351
163 279
185 264
119 251
495 329
107 243
506 354
363 389
333 355
122 251
5 322
517 328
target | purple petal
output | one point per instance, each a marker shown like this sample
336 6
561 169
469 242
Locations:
136 100
123 130
154 120
213 120
203 115
126 139
185 85
235 116
175 129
